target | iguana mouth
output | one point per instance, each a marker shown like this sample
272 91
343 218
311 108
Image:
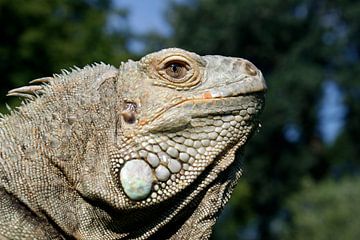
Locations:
243 86
208 99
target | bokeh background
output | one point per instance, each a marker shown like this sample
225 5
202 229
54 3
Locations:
302 168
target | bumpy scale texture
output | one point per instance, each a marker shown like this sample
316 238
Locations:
143 151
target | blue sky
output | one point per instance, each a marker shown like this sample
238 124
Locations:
146 15
332 111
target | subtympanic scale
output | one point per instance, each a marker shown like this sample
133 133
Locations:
136 177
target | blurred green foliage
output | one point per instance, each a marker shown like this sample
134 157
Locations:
39 38
298 44
325 211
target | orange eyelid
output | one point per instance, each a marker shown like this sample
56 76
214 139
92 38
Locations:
207 95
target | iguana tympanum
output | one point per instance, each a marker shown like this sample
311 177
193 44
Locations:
143 151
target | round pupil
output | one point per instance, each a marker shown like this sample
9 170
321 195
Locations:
175 67
176 70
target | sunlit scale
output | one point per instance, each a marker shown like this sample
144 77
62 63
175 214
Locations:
171 162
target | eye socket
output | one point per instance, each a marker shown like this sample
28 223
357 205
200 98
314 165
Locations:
176 70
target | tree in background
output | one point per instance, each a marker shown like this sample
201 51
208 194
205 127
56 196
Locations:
324 211
299 45
38 38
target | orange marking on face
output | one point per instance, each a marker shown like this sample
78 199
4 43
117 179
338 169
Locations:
142 122
207 95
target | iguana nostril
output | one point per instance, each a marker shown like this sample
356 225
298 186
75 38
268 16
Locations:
250 69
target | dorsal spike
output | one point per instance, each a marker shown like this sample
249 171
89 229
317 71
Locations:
42 80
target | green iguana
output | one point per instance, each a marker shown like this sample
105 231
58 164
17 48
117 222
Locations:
143 151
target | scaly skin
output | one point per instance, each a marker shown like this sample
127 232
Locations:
145 151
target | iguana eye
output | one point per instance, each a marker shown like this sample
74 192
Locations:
176 70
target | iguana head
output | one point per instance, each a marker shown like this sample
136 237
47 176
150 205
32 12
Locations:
182 114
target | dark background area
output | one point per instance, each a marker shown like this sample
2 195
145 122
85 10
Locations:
302 168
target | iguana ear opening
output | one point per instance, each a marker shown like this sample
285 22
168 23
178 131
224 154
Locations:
129 112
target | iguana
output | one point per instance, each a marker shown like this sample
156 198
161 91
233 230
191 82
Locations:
143 151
